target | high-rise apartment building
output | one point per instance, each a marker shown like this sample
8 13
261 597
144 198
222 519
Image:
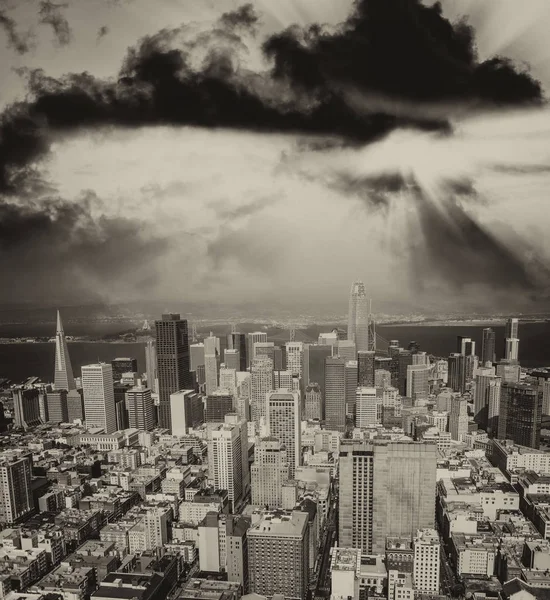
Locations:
121 366
488 346
63 374
172 362
427 566
387 489
140 407
186 410
368 407
225 456
365 368
295 358
313 402
16 501
278 555
261 382
358 316
458 419
237 341
151 365
520 417
99 396
268 472
335 394
284 421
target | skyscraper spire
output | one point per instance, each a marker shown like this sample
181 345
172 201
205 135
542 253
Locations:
63 378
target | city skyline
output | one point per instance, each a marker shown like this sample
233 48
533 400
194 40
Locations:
423 229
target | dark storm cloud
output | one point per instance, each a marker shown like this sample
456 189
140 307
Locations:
52 14
243 17
57 250
397 48
21 43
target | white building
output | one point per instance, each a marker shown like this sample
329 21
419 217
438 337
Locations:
426 561
228 379
261 382
179 407
284 416
99 396
295 358
269 471
368 407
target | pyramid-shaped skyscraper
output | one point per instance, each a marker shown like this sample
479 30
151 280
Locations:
63 379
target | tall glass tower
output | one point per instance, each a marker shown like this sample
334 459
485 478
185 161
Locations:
358 316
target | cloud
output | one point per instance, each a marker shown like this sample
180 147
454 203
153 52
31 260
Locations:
52 14
243 17
102 32
21 43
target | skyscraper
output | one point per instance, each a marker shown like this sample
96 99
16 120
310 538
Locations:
218 404
123 365
351 386
520 417
269 470
511 340
254 337
365 368
488 346
26 407
139 404
404 359
261 382
172 362
225 450
16 501
335 394
151 365
368 407
284 421
511 328
386 489
237 341
418 381
196 356
313 402
426 561
228 379
295 358
186 410
99 396
63 376
314 365
358 316
484 377
232 359
456 374
346 349
458 419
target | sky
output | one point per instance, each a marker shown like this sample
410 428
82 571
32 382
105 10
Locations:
274 152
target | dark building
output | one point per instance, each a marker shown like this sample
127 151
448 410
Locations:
314 365
335 393
456 372
520 416
382 362
173 362
217 406
413 347
75 405
488 346
123 365
122 420
279 358
365 368
56 401
405 359
26 407
237 341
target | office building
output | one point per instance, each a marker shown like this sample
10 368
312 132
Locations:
56 401
368 407
382 378
232 359
254 338
358 316
99 396
284 419
511 329
346 349
121 410
313 402
228 379
75 406
509 372
295 358
261 382
335 394
329 339
63 374
387 489
172 362
16 501
488 347
365 368
546 397
264 349
268 472
196 356
283 380
26 407
418 381
404 360
278 555
493 393
237 341
485 376
314 364
121 366
225 458
465 345
427 565
151 365
218 404
211 363
520 416
186 410
511 349
140 407
458 419
456 378
351 385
